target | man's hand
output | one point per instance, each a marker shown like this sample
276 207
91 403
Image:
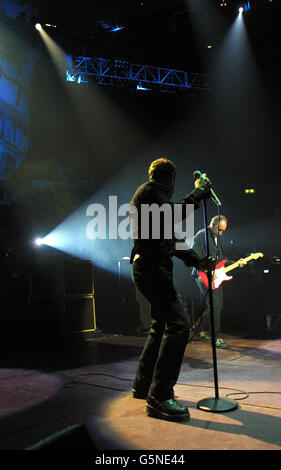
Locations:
207 264
203 183
241 263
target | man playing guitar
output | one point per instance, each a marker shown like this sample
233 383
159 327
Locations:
217 227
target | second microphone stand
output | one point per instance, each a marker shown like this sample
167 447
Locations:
214 404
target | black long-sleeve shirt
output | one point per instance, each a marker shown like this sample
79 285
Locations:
161 250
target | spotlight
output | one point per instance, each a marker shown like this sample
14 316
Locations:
117 28
49 240
69 77
141 88
38 26
241 10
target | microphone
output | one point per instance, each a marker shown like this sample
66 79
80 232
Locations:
197 174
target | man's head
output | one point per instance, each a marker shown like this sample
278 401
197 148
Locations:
163 171
218 225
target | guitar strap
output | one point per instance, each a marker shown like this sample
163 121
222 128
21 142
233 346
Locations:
217 241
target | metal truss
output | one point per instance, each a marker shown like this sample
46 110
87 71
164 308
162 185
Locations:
119 72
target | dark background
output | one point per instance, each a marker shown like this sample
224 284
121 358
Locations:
232 133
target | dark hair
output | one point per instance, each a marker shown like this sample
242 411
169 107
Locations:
161 168
215 220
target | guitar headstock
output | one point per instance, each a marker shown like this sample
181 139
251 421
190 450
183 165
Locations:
256 255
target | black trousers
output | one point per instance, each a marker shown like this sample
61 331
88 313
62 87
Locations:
217 307
161 358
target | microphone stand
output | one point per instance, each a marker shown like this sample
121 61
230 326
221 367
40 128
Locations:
213 404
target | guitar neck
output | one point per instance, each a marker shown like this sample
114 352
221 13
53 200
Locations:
236 264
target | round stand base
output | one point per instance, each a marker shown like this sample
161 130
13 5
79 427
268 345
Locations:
217 405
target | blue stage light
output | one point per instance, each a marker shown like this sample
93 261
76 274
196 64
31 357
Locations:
72 78
141 88
50 240
69 77
117 28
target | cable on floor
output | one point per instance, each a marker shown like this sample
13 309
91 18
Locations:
234 391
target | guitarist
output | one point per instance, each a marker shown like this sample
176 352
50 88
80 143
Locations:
217 227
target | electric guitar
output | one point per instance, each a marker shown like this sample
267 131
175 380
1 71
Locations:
220 275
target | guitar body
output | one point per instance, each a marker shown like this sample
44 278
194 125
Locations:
220 271
219 277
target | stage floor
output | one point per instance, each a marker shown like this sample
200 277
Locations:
87 386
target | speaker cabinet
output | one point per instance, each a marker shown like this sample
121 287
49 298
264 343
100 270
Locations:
43 280
68 284
78 313
78 277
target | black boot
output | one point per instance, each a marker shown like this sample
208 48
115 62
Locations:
169 409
